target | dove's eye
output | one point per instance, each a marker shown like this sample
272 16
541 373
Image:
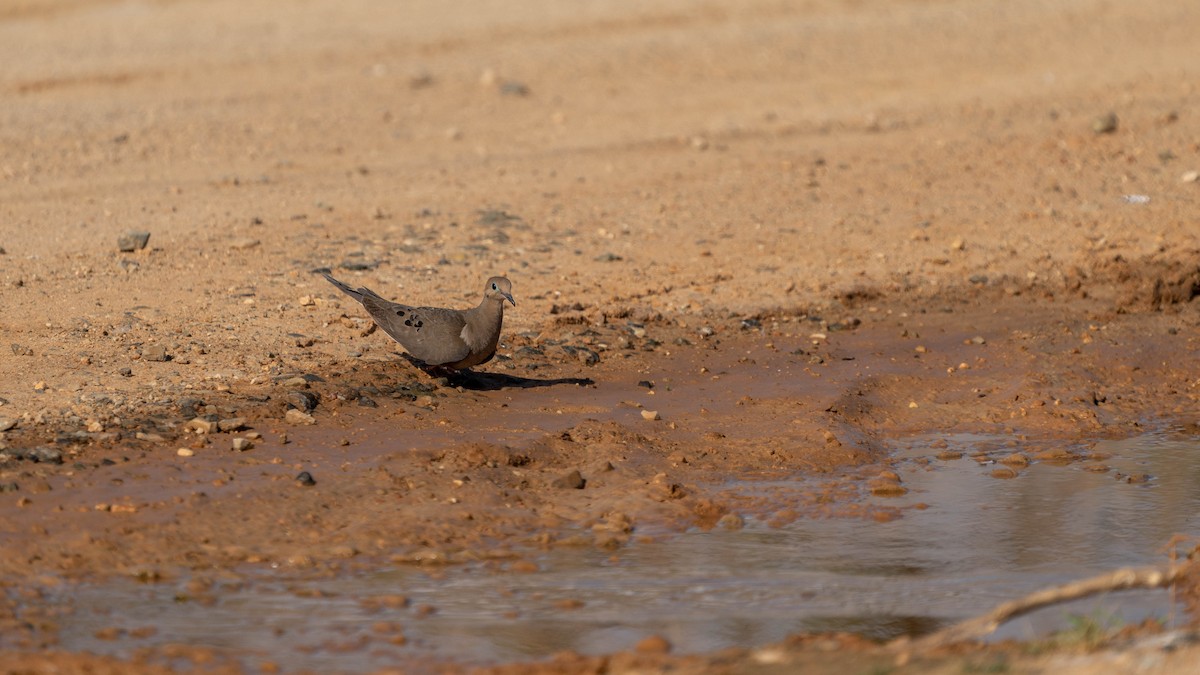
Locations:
494 288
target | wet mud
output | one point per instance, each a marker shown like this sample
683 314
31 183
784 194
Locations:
775 424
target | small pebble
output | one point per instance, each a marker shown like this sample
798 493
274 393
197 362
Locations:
185 452
1015 459
651 415
1106 123
655 644
572 481
514 88
731 521
243 243
201 426
242 444
133 241
887 485
306 401
305 478
299 417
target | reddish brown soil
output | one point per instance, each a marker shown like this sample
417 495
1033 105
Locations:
792 231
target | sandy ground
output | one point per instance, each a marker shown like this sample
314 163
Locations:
844 220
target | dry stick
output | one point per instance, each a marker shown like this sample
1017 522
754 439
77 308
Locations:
977 627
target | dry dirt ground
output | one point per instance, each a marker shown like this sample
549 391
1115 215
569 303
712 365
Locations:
789 231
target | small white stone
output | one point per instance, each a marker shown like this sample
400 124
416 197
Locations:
201 426
295 416
185 452
651 415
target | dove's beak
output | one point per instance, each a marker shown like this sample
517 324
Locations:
508 296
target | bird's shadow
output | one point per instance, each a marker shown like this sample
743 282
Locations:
468 379
496 381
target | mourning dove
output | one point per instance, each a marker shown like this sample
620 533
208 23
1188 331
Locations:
446 338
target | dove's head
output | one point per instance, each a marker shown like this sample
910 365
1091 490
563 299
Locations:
499 289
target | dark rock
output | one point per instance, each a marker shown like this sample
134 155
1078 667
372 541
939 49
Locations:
68 437
513 88
497 217
367 402
586 356
646 383
45 455
571 481
305 478
1106 123
305 401
188 407
133 241
125 372
9 487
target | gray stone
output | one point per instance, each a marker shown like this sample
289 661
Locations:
133 241
155 353
570 481
45 455
304 401
1106 123
188 407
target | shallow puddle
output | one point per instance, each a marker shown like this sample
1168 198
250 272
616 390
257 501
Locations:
980 540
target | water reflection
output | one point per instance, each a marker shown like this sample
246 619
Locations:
982 540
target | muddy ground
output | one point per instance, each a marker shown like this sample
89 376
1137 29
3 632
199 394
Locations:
746 240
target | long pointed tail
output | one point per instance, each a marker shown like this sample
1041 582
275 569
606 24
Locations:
356 294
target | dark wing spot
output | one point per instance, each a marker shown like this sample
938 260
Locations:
419 324
399 312
408 322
